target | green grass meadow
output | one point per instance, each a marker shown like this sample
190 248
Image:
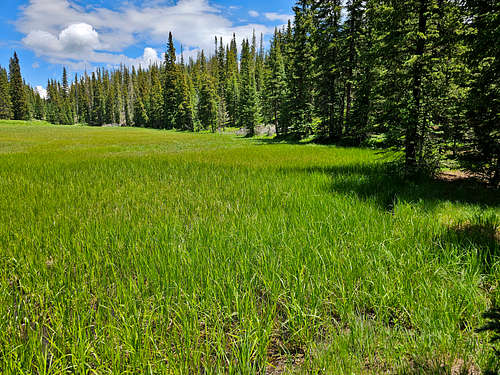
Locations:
135 251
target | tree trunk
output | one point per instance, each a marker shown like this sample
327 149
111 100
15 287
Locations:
412 140
350 66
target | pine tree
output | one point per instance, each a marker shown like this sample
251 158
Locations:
185 111
207 104
128 90
84 94
17 92
276 85
364 77
98 113
301 98
232 83
156 106
117 97
65 84
352 36
248 110
483 113
66 115
5 103
405 59
140 114
170 85
325 29
39 107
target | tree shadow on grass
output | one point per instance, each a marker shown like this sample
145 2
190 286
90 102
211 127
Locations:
376 184
481 234
298 139
379 184
286 139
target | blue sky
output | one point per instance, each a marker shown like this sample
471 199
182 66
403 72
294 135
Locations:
79 34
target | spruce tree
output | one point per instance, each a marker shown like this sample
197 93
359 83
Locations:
482 154
276 85
232 83
66 115
248 110
364 78
170 85
65 84
325 27
140 114
127 97
301 98
39 107
352 35
98 111
17 92
5 103
185 112
156 106
207 104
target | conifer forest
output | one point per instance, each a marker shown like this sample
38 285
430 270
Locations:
417 76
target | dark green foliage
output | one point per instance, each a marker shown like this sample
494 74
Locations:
39 107
185 111
156 105
325 26
232 93
418 76
276 89
97 116
5 103
141 118
170 92
301 100
482 154
248 110
17 91
493 326
207 105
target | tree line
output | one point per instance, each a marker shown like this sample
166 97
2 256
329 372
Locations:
419 76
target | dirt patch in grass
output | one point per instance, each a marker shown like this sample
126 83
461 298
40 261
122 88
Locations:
445 366
285 364
451 176
283 357
478 231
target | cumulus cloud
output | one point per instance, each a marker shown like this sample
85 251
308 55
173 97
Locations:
150 57
64 32
41 91
253 13
79 38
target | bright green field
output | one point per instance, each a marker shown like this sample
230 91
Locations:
151 252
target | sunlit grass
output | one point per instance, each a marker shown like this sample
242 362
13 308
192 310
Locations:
140 251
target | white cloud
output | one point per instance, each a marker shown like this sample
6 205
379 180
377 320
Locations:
35 65
79 37
253 13
64 32
150 57
75 41
42 41
271 16
41 91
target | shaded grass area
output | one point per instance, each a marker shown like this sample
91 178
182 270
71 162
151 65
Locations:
142 251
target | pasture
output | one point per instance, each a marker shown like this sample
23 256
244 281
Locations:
127 250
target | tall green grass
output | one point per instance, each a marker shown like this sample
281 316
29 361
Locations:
146 252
